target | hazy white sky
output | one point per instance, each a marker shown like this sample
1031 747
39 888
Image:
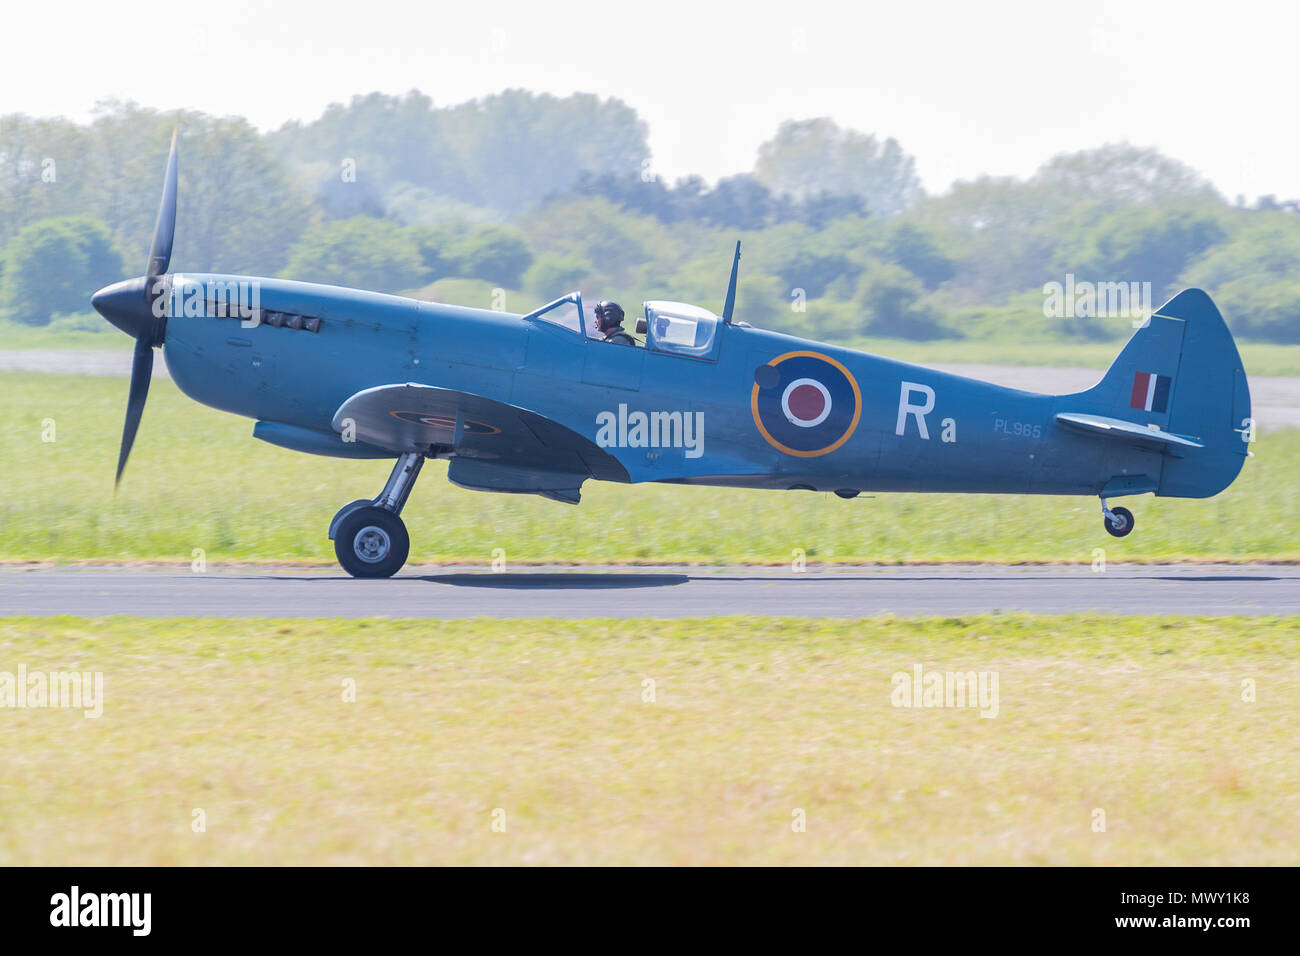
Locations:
968 88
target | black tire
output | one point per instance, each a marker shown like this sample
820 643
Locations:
1123 523
372 543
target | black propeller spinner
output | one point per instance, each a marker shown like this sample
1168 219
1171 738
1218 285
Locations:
139 308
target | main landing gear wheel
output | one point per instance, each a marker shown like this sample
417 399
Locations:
370 539
1119 521
372 543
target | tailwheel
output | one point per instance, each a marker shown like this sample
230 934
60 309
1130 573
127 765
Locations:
1119 521
372 543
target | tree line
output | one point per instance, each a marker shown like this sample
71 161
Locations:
519 197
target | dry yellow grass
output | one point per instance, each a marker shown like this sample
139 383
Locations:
753 719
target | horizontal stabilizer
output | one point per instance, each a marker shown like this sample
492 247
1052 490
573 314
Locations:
1118 428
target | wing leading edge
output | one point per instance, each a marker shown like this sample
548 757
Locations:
493 446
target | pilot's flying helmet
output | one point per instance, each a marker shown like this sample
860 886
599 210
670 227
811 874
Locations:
608 314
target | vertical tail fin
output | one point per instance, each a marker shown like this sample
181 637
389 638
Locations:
1182 372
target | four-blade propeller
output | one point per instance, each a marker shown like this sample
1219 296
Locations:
139 308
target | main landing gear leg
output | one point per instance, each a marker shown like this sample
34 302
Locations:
370 539
1118 521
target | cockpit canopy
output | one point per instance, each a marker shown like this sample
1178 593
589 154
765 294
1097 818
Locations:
681 328
676 328
566 311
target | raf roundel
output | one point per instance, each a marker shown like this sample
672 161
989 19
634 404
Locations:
805 404
441 421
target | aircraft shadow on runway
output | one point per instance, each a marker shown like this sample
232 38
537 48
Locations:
580 580
550 581
590 580
1200 579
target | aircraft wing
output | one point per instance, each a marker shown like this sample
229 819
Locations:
494 446
1117 428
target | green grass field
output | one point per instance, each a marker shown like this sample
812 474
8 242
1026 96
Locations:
89 334
752 719
1260 358
199 480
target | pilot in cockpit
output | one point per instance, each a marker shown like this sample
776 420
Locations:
609 322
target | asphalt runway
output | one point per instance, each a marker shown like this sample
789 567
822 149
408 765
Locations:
1276 400
652 592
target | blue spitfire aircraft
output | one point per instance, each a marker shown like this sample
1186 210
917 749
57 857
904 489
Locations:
539 403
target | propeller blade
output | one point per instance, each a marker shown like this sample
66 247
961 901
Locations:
164 230
141 374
